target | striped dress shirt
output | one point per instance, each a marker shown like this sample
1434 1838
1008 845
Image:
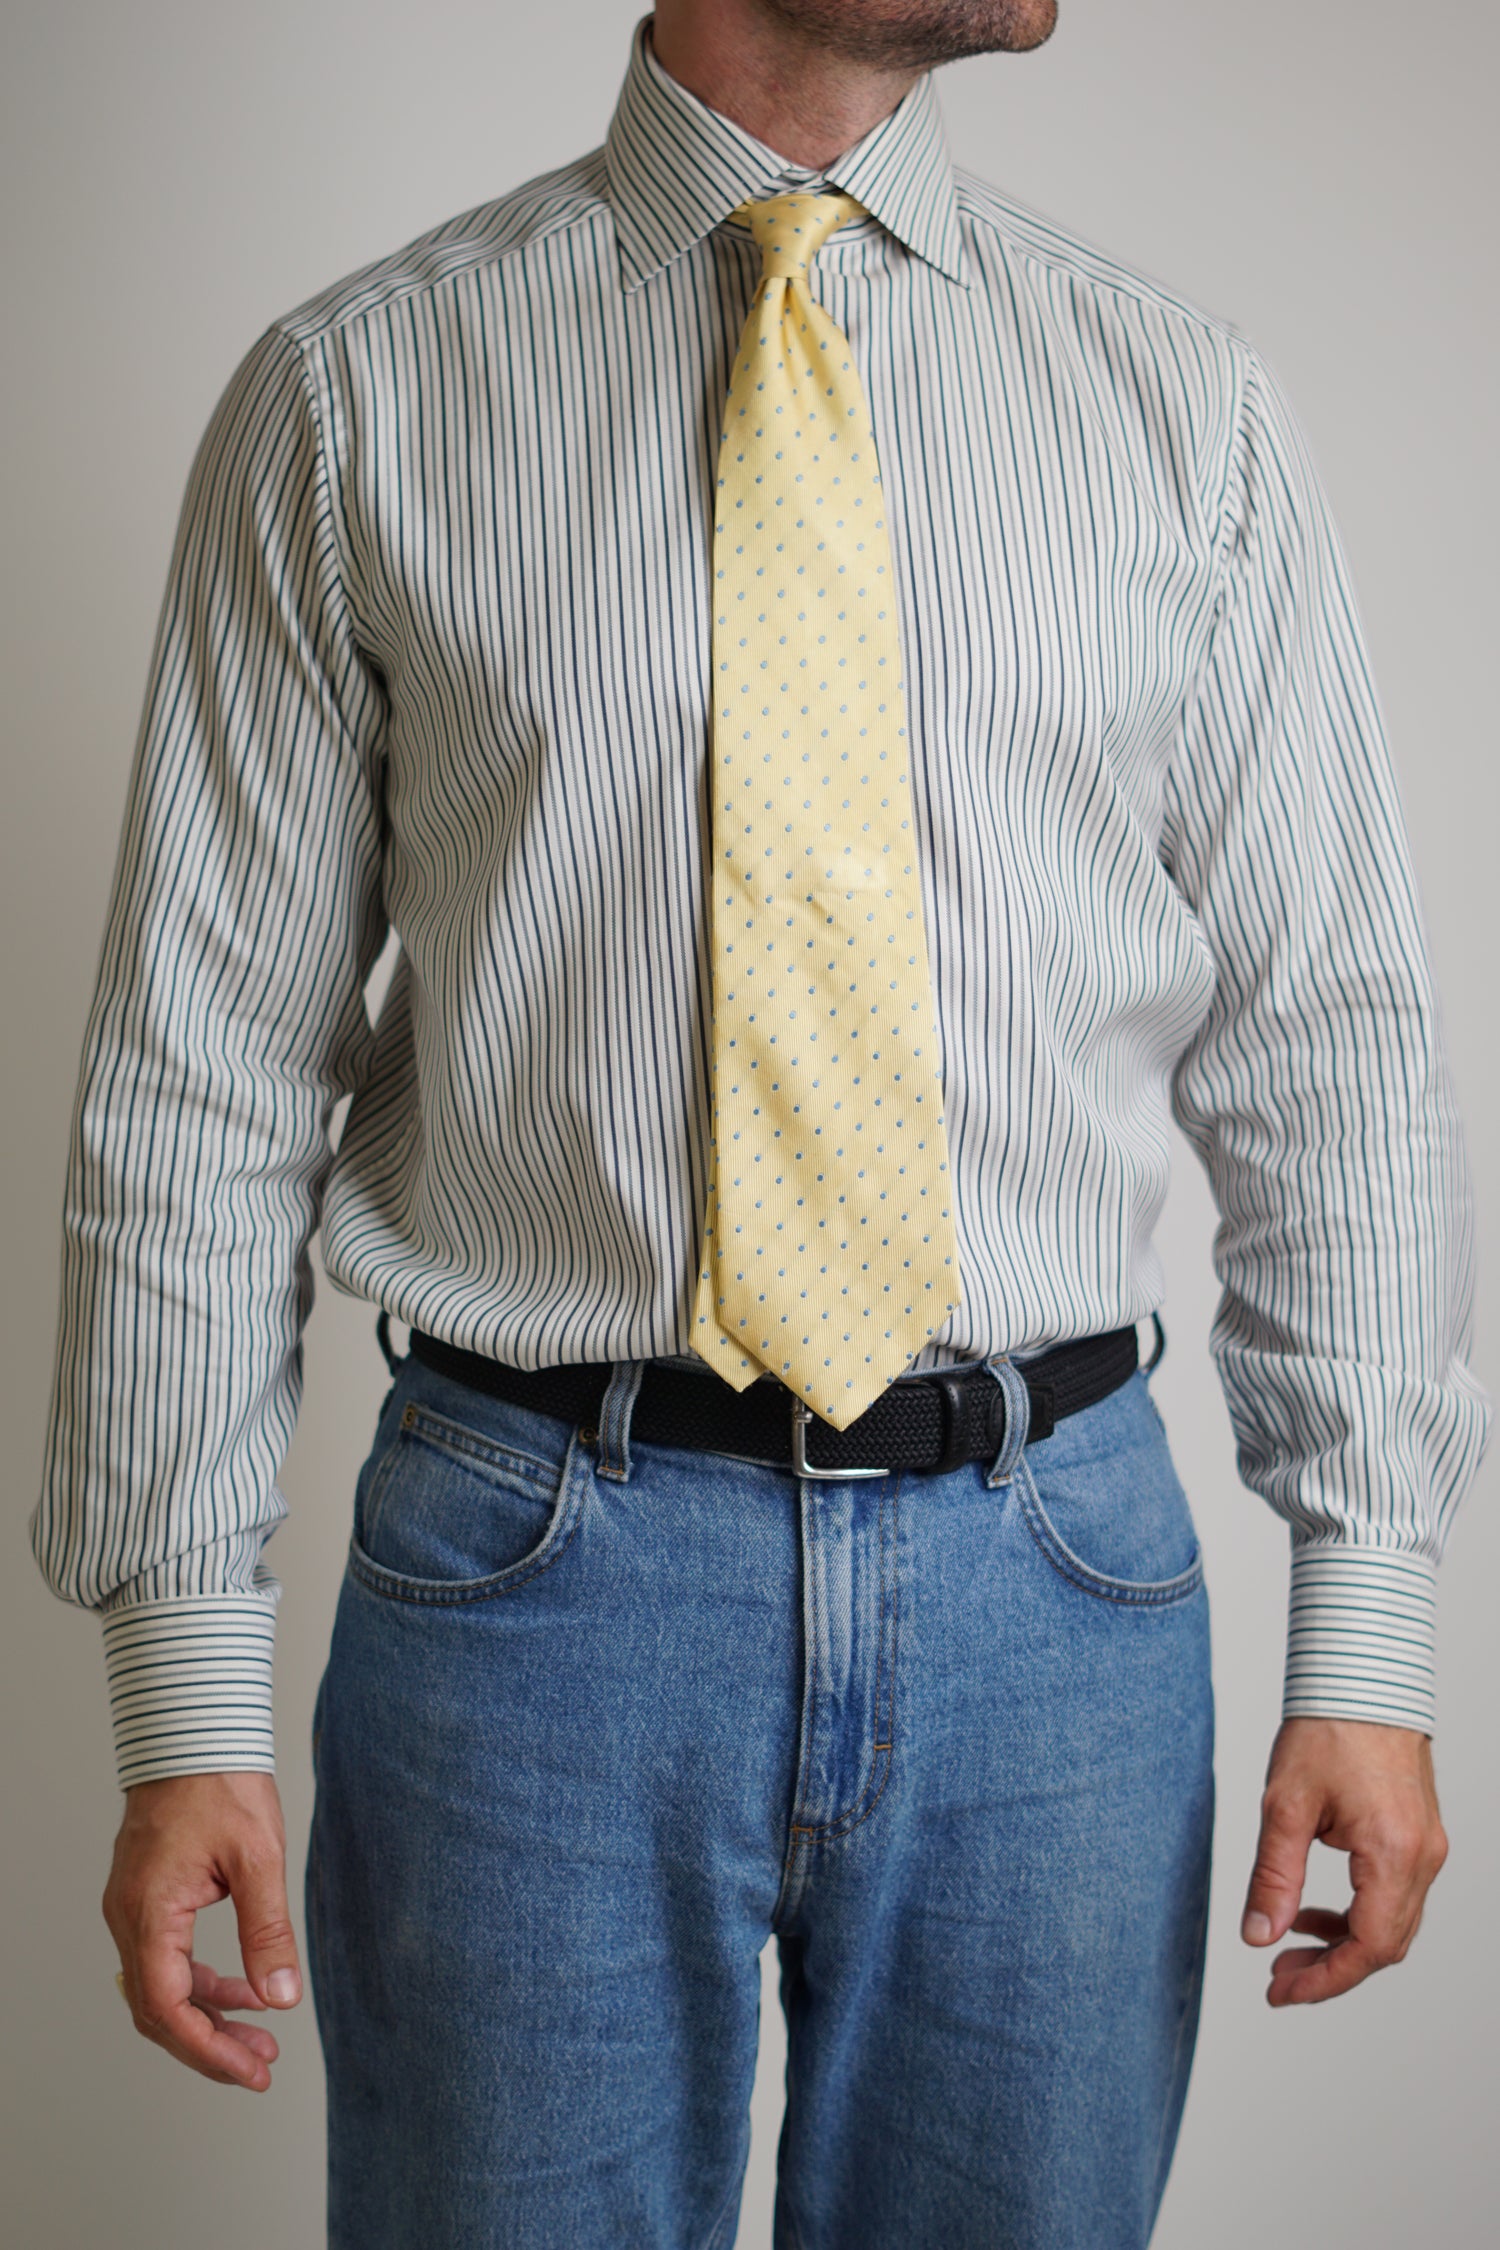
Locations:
433 659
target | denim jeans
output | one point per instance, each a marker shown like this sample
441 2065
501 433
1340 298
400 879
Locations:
600 1717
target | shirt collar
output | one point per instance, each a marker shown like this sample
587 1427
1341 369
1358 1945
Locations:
674 168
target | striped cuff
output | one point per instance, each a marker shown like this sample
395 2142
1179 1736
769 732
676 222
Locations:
190 1685
1361 1636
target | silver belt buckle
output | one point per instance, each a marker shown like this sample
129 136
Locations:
802 1414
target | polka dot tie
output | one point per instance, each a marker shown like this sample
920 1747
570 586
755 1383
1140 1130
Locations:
829 1252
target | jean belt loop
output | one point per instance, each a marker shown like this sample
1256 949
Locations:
1017 1418
614 1419
383 1338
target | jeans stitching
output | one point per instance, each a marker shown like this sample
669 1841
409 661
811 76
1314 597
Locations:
453 1437
1188 2015
890 1577
811 1715
366 1509
616 1412
1012 1384
794 2237
1161 1593
717 2233
392 1586
855 1815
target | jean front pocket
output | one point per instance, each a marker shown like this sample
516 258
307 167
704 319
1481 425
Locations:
1104 1503
450 1513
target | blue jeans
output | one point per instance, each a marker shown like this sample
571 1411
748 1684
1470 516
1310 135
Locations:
598 1718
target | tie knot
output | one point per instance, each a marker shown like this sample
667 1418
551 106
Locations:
792 228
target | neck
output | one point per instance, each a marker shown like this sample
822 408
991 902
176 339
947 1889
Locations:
802 99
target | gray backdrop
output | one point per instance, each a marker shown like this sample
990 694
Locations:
173 175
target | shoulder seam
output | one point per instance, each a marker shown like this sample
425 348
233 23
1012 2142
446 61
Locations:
326 518
304 326
1230 515
1076 253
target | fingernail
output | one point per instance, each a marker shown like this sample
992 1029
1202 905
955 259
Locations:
1256 1928
283 1986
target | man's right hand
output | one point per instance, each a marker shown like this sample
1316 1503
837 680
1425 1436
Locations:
185 1842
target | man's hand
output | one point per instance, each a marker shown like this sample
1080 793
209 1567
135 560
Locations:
186 1842
1368 1791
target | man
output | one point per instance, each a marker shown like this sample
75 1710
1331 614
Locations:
749 572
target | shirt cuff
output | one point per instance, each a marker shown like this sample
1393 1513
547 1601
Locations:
1361 1636
190 1685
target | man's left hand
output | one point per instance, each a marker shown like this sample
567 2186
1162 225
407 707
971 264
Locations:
1365 1790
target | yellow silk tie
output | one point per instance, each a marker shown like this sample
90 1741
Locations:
829 1254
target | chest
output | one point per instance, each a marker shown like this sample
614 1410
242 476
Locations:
531 506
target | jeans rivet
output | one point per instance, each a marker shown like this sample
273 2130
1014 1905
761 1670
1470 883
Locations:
587 1434
408 1417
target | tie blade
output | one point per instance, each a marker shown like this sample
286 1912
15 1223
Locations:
830 1252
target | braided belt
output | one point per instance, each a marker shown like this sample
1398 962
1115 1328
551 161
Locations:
933 1421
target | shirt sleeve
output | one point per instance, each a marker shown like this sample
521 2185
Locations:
227 1019
1317 1093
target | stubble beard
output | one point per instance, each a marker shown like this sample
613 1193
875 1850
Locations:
916 34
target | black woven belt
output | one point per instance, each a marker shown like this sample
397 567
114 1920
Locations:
932 1421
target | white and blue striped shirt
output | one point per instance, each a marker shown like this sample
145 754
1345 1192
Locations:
433 659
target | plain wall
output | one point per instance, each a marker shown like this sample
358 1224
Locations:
176 173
